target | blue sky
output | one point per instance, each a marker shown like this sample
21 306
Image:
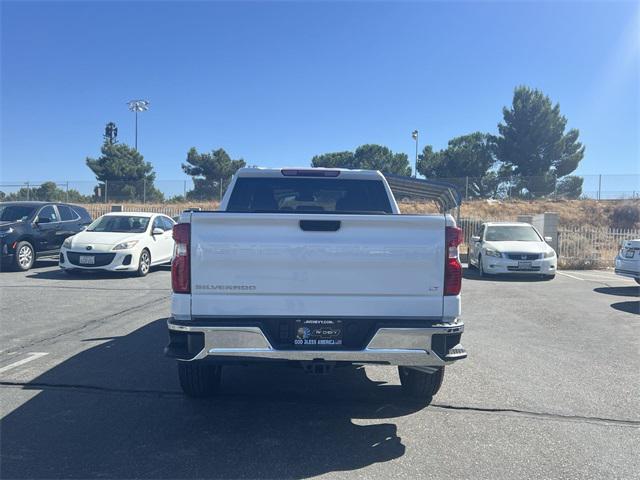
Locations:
276 83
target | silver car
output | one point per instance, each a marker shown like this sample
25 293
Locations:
628 260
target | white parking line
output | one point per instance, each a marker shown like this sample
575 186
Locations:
590 275
30 358
570 276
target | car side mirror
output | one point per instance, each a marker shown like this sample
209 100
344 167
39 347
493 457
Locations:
475 238
548 239
157 231
43 220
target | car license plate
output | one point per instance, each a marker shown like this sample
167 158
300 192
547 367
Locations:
318 332
524 265
87 260
629 254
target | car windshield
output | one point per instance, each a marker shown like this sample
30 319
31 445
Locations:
119 223
309 195
512 233
15 213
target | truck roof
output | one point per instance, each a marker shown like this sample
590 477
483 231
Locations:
278 172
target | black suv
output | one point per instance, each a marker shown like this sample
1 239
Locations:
35 229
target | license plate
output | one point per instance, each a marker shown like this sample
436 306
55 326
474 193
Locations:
87 260
629 254
318 332
524 265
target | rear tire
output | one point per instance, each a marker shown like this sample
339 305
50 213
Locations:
637 280
199 379
24 257
420 385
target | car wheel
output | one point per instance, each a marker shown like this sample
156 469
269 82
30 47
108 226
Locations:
548 277
25 256
480 267
470 265
199 379
637 280
144 264
419 384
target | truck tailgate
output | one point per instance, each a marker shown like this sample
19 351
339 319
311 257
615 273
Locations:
247 264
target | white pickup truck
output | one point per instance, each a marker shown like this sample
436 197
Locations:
318 267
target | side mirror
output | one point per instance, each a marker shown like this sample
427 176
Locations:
475 238
157 231
43 220
548 239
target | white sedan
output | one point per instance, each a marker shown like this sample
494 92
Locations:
120 242
515 247
628 260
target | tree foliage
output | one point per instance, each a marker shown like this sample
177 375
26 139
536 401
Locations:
466 162
368 157
211 173
122 171
533 146
46 192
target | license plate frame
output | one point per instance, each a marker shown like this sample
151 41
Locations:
524 265
87 259
318 333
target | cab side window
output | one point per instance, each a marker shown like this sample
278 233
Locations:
49 213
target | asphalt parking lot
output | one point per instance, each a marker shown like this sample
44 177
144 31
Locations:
550 390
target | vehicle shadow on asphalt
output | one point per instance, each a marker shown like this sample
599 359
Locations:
629 291
59 274
473 274
628 307
116 411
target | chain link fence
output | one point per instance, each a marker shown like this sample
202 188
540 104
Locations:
599 187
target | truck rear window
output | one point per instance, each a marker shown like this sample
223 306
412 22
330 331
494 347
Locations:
308 195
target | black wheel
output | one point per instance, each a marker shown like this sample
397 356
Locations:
199 379
548 277
418 384
25 256
480 267
144 264
637 280
470 266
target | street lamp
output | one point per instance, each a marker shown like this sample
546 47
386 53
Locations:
138 106
414 135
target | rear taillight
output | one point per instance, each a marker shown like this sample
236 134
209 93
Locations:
181 266
452 267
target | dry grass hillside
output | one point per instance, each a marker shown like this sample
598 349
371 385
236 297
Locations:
573 213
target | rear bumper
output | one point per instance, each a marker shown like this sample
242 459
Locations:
433 346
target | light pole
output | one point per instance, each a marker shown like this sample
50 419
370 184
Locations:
138 106
414 135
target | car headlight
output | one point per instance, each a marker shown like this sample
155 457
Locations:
67 242
126 245
550 254
493 253
6 232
